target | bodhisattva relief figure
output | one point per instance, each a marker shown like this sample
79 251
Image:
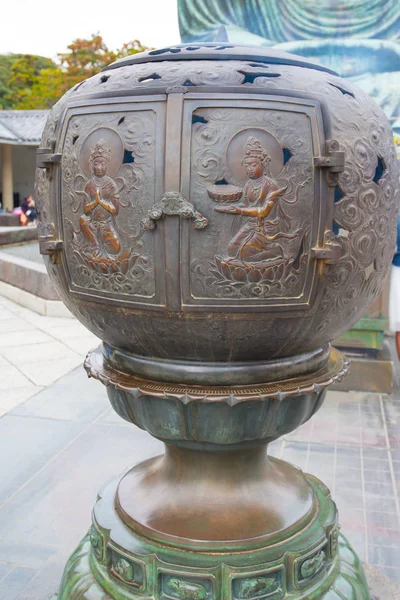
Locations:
100 206
258 240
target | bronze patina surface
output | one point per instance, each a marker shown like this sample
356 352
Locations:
291 170
316 562
215 517
216 215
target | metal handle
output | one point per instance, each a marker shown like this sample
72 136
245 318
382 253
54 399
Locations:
173 204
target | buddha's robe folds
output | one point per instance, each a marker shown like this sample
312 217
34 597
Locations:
358 39
279 21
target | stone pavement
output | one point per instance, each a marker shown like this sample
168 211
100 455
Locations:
17 235
35 351
27 251
60 441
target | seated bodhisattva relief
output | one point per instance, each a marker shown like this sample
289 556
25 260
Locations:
265 248
100 206
256 241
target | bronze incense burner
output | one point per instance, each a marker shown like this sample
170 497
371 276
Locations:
216 215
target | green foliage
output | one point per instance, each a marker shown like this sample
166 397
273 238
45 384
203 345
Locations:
131 48
23 75
6 62
36 82
48 86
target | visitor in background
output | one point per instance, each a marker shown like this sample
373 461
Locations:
394 300
28 215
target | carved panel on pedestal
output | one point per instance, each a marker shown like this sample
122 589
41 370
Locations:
251 173
108 185
257 587
131 572
185 587
259 582
334 542
310 568
97 543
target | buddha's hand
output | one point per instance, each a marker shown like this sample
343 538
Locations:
233 210
273 196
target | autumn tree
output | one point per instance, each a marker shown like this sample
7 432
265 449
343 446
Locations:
35 82
88 57
131 48
85 58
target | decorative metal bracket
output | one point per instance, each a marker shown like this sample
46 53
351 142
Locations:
173 204
49 245
333 161
330 253
47 159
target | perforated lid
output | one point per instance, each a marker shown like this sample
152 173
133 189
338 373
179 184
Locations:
219 51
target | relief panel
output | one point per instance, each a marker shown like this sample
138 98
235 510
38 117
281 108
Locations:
183 586
97 543
129 571
264 582
308 569
107 183
269 586
251 174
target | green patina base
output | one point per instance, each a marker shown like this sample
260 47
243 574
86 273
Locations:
80 582
313 562
215 517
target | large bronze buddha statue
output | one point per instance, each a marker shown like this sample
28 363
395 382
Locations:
357 39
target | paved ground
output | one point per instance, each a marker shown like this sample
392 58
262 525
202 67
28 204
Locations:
60 442
17 235
35 351
27 251
381 587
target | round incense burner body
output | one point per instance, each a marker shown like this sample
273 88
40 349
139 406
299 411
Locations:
216 215
155 261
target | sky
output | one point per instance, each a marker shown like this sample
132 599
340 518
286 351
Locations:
46 28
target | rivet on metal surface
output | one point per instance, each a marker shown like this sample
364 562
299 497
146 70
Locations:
329 252
333 161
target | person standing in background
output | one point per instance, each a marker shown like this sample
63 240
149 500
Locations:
394 299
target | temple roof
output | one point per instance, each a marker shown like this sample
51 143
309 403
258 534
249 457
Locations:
22 127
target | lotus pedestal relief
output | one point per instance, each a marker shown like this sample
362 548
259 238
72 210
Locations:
216 214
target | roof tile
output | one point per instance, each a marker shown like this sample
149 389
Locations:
22 126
